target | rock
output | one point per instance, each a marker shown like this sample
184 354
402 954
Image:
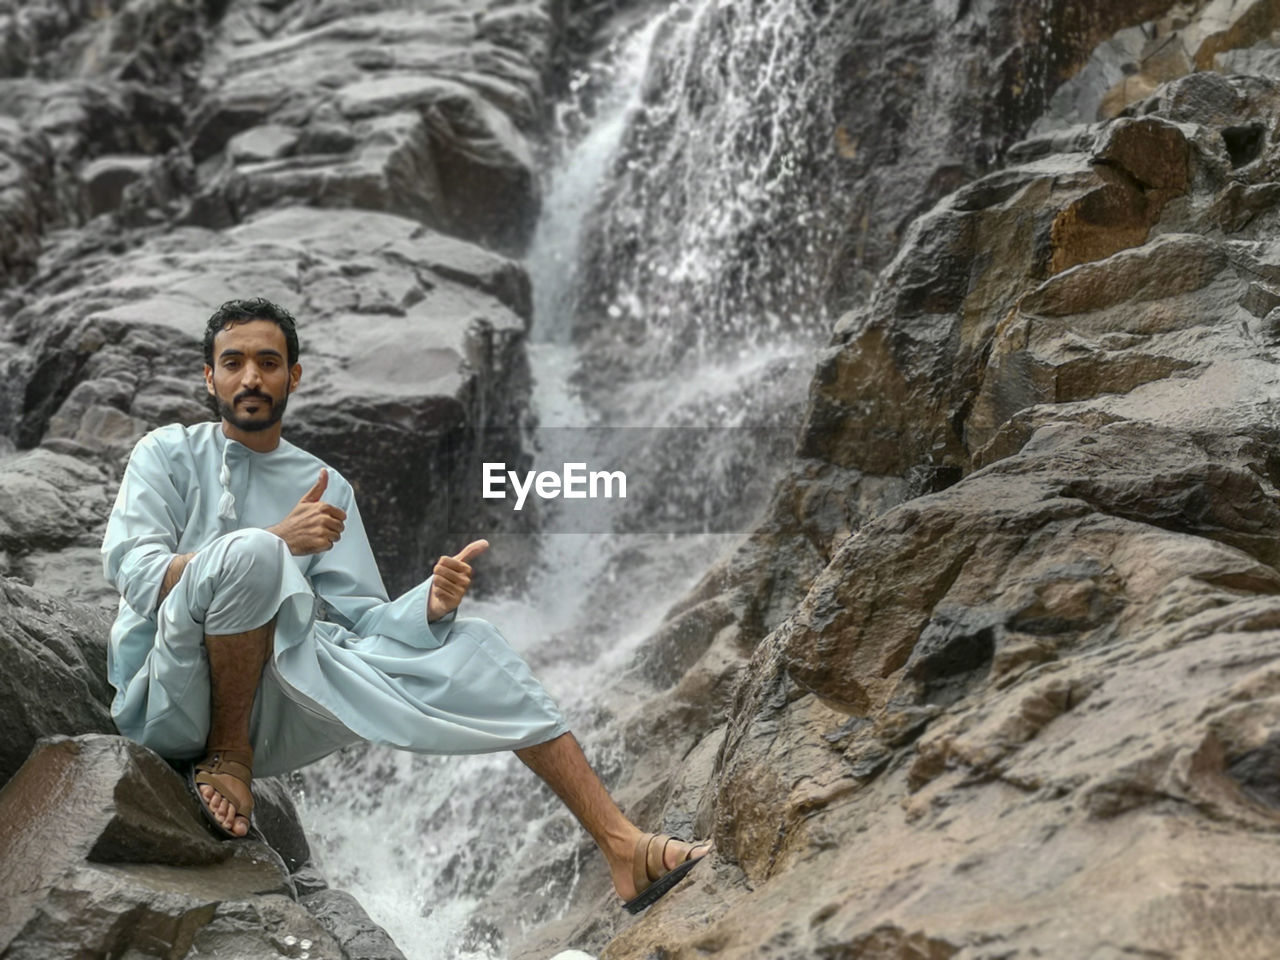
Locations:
1036 493
345 920
268 927
87 82
276 818
106 178
25 204
53 656
1262 60
50 500
893 94
1129 66
309 879
149 150
103 847
267 142
309 113
1008 685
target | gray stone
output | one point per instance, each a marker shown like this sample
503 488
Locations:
345 920
439 132
102 364
267 142
266 927
106 178
1262 60
308 879
49 500
53 655
276 818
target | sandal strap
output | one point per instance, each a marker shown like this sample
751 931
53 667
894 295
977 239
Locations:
639 863
648 864
655 856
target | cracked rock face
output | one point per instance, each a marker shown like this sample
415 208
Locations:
1025 703
103 852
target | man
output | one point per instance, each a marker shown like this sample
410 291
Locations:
254 632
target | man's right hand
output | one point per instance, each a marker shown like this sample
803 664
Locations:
311 526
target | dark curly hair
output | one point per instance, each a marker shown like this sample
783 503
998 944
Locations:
242 311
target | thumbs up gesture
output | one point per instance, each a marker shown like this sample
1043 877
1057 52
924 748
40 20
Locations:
313 526
452 580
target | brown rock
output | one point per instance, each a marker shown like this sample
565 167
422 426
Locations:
102 847
1176 42
1028 702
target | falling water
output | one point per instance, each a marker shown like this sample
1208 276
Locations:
676 224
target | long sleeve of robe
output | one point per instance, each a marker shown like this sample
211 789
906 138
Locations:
343 650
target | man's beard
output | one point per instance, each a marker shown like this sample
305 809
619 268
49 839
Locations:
227 411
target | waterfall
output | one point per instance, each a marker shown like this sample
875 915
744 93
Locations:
674 250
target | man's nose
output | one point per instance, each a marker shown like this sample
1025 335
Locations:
252 376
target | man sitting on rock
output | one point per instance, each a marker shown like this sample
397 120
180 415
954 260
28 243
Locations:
254 631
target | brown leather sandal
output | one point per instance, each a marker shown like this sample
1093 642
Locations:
649 872
229 772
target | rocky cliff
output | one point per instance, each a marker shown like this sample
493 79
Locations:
1003 655
995 677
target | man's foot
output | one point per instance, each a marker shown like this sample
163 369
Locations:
656 865
221 780
224 811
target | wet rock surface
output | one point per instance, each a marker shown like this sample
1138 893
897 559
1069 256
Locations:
1012 691
883 110
162 157
52 671
103 851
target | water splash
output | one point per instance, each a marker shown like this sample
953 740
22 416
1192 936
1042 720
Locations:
721 200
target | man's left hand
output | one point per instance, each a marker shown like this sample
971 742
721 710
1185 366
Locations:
452 580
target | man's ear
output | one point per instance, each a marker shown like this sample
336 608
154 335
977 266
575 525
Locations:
295 374
208 380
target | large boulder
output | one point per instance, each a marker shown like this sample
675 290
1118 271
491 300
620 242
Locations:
107 825
103 851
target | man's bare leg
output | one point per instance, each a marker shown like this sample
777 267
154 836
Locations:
564 768
235 670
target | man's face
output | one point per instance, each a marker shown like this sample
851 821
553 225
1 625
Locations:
250 378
